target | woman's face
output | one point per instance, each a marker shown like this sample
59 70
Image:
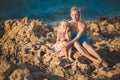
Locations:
75 15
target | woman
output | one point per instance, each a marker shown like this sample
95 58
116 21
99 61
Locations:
80 39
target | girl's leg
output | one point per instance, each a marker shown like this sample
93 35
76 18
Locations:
94 53
62 50
85 53
66 55
70 53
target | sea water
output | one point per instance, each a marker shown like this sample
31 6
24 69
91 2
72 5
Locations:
52 11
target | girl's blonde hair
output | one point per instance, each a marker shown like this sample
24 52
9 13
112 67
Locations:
64 20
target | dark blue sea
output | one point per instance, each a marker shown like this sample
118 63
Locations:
52 11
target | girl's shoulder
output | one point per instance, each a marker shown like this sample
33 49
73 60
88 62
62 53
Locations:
59 31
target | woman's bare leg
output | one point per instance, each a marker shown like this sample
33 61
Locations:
94 53
91 50
85 53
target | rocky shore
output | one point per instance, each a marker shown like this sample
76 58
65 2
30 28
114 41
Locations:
25 51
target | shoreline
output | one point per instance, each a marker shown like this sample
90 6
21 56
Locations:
53 23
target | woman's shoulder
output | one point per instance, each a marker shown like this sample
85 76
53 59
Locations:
71 23
82 23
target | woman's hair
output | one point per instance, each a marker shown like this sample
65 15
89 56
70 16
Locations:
75 9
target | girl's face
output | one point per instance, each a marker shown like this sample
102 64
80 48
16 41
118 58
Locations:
75 15
64 25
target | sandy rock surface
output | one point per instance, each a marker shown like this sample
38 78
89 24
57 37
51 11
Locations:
25 51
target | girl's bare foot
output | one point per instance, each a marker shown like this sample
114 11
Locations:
71 60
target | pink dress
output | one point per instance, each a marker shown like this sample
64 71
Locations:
58 45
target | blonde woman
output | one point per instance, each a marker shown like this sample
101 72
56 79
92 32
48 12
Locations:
80 39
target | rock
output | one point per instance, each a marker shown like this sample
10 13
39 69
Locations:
26 51
20 74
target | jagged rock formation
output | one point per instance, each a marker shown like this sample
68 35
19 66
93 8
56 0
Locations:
25 51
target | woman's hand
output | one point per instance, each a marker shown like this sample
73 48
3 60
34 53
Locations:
66 45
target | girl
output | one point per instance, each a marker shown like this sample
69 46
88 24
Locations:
63 36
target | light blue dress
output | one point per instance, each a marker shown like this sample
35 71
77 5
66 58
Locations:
83 38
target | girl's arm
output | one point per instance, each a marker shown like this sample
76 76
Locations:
58 36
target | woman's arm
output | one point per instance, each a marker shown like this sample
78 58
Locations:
81 29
